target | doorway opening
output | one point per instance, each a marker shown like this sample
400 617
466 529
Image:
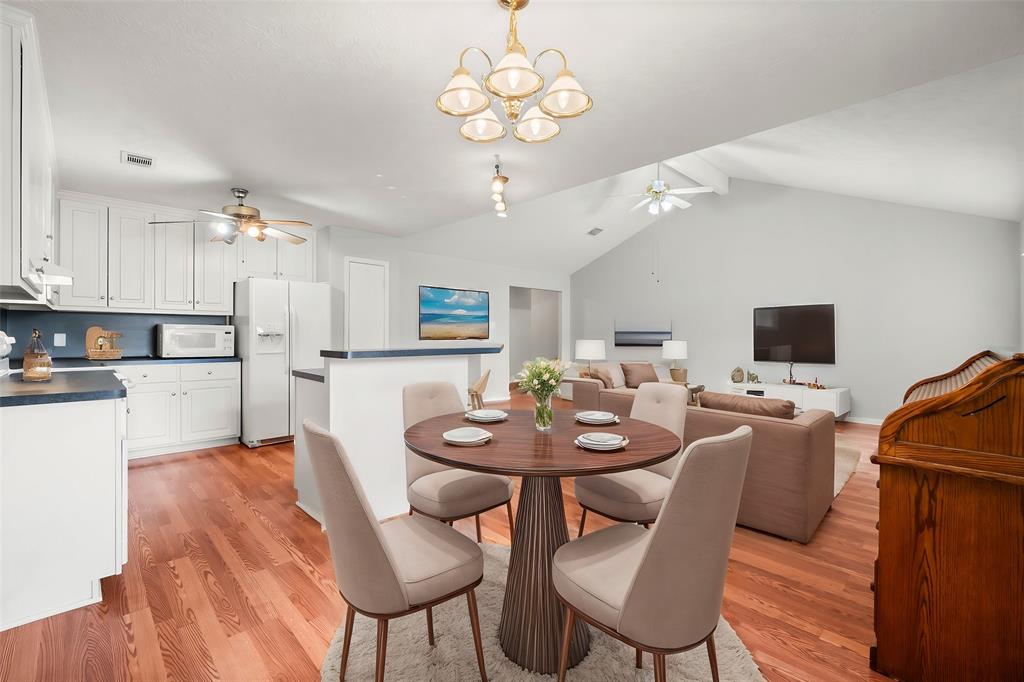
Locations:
534 325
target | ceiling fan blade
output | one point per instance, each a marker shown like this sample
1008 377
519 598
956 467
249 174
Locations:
643 203
298 223
620 196
217 238
216 214
169 222
281 234
691 190
680 203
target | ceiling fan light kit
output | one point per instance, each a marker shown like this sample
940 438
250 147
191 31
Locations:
659 197
514 80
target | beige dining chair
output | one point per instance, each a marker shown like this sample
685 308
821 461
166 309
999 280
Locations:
388 570
636 496
476 391
438 491
660 590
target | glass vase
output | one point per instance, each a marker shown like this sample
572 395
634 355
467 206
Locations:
542 414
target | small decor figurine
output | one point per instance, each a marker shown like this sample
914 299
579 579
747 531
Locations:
752 378
36 365
737 375
101 344
541 379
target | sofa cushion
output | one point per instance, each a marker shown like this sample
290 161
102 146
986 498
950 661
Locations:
765 407
609 373
637 373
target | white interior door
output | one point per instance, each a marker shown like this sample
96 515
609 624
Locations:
366 303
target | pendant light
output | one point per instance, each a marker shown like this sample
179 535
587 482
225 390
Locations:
498 182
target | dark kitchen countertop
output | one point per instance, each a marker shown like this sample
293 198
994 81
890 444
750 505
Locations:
64 387
311 374
85 363
421 351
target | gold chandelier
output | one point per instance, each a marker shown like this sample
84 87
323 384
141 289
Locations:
514 81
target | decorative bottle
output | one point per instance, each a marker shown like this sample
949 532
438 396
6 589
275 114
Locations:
36 365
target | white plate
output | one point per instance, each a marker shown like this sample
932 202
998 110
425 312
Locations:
487 415
466 435
601 438
596 417
586 445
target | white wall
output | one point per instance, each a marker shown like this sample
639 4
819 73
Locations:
916 290
409 269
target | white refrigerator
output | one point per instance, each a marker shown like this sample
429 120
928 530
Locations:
279 326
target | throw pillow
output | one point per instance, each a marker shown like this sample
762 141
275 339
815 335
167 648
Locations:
765 407
637 373
601 372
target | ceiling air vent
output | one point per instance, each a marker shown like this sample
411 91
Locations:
596 231
136 160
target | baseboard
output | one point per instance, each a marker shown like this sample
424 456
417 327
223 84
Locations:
863 420
310 513
181 447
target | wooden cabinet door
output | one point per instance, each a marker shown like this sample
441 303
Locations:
256 259
215 268
153 415
175 249
210 409
129 259
83 249
295 261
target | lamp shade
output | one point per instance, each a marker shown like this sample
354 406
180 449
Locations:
462 96
590 349
565 98
482 127
673 350
514 76
536 126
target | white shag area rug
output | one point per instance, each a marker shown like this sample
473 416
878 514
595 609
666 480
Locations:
410 657
846 464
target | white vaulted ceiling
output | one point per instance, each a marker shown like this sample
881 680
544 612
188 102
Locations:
304 104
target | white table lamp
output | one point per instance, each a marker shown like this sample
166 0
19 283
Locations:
589 350
675 350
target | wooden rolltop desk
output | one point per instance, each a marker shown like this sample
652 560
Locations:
949 580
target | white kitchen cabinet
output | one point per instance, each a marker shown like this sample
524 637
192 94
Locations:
257 259
215 267
277 259
175 253
209 410
130 259
153 415
83 248
295 261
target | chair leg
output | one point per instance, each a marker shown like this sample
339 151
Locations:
410 511
350 619
479 537
659 668
639 660
430 626
712 657
583 521
647 526
563 659
511 529
474 621
382 648
451 523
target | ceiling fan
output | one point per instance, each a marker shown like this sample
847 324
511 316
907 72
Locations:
236 219
659 197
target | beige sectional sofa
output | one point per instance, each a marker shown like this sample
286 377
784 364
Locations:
791 471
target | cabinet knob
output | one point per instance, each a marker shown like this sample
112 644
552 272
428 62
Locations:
102 297
210 372
173 394
111 298
144 376
190 300
129 410
184 392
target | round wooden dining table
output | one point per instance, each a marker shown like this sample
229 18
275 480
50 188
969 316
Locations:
531 617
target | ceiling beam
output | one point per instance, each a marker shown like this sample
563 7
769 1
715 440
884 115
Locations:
700 171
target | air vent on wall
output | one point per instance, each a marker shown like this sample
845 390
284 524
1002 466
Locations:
596 231
136 160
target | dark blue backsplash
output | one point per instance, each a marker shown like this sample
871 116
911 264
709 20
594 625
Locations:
138 330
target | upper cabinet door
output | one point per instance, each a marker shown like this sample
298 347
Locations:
295 261
130 259
83 248
175 246
215 273
256 259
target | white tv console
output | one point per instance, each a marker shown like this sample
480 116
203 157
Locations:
835 400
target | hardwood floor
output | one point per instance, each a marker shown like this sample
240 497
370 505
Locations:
228 579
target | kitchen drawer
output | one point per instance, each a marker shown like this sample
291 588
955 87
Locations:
210 371
148 374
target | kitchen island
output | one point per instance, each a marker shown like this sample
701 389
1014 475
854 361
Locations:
63 492
358 395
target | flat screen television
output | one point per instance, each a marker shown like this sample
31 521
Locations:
796 333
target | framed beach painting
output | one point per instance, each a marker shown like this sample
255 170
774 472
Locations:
454 314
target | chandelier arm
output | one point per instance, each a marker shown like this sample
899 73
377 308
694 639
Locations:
462 56
565 62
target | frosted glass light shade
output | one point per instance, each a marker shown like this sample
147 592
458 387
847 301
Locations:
536 126
514 77
565 98
462 96
590 349
482 127
673 350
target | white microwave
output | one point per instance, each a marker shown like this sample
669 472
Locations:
195 340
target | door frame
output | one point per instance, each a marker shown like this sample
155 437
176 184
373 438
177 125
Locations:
387 295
